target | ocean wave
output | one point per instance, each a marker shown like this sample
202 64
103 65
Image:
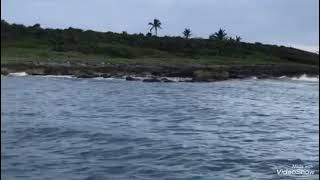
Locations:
98 78
178 79
110 78
58 76
305 77
174 79
283 77
18 74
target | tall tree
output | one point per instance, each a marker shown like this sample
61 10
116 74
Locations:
155 25
187 33
220 35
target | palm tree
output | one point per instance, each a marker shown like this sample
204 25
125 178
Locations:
187 33
155 25
220 35
238 38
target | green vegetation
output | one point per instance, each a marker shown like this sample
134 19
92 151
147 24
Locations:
33 44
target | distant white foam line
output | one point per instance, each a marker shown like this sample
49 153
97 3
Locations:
174 79
102 78
98 78
304 77
138 77
246 78
107 79
58 76
18 74
178 79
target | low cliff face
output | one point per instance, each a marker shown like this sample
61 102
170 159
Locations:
197 73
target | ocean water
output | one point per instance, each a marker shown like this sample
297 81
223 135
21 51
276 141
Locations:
62 128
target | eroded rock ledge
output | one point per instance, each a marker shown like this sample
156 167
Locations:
195 73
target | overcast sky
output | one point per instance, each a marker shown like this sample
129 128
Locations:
287 22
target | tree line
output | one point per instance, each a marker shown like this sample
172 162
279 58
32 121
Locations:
219 35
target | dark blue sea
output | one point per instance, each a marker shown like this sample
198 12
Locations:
62 128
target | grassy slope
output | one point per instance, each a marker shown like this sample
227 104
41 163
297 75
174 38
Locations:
99 48
17 52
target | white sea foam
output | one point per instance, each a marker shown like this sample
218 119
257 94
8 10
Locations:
304 77
178 79
18 74
174 79
56 76
137 77
59 76
109 79
102 78
99 78
283 77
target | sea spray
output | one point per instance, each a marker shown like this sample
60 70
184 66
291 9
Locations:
305 77
18 74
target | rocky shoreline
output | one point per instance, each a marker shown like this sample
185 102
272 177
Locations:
161 73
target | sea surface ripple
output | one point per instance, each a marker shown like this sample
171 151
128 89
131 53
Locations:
90 129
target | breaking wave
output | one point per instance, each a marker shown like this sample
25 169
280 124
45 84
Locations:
305 77
59 76
18 74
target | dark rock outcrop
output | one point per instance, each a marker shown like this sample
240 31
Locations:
4 71
152 80
198 73
210 75
86 76
166 80
129 78
105 75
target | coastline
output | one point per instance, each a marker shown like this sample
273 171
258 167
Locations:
165 73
